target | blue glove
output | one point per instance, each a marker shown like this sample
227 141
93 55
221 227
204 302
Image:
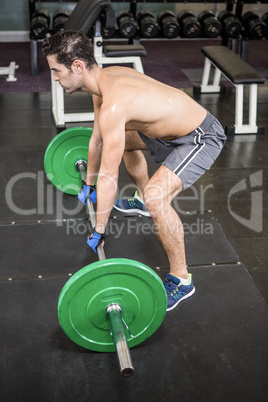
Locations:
95 239
87 191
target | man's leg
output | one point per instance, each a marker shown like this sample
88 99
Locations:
158 194
135 161
136 166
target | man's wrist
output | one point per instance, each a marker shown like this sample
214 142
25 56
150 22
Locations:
100 228
89 184
90 180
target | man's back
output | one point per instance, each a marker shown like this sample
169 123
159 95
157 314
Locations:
147 105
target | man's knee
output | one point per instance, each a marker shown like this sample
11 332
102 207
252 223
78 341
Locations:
160 190
154 198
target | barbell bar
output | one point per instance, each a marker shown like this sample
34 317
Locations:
81 166
114 310
112 304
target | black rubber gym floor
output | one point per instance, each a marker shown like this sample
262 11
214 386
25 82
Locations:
211 348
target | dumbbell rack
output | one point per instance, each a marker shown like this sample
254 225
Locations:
132 4
244 40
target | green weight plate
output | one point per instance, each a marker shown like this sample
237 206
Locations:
61 155
83 301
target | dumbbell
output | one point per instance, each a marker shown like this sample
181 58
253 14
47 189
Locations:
112 304
39 24
211 26
126 24
190 26
255 27
231 25
59 19
168 24
147 24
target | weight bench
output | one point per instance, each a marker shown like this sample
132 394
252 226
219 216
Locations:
9 71
240 73
88 16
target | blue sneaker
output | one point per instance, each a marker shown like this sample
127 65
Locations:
176 292
132 205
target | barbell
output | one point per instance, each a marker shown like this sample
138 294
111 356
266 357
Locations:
112 304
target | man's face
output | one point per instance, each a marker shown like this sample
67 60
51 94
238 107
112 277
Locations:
68 79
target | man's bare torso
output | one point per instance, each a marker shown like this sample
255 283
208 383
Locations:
146 105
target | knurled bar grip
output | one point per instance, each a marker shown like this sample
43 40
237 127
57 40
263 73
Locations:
114 311
92 216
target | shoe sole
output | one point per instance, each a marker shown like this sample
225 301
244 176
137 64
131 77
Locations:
133 211
181 299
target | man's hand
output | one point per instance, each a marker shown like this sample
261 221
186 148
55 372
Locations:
87 192
95 239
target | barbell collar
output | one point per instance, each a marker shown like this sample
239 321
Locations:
81 165
113 306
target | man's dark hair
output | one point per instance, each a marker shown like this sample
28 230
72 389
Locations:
69 46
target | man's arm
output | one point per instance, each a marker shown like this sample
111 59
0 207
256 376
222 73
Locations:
112 128
95 146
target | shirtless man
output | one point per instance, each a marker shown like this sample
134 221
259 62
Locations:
134 112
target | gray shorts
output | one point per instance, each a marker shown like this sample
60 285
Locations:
191 155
